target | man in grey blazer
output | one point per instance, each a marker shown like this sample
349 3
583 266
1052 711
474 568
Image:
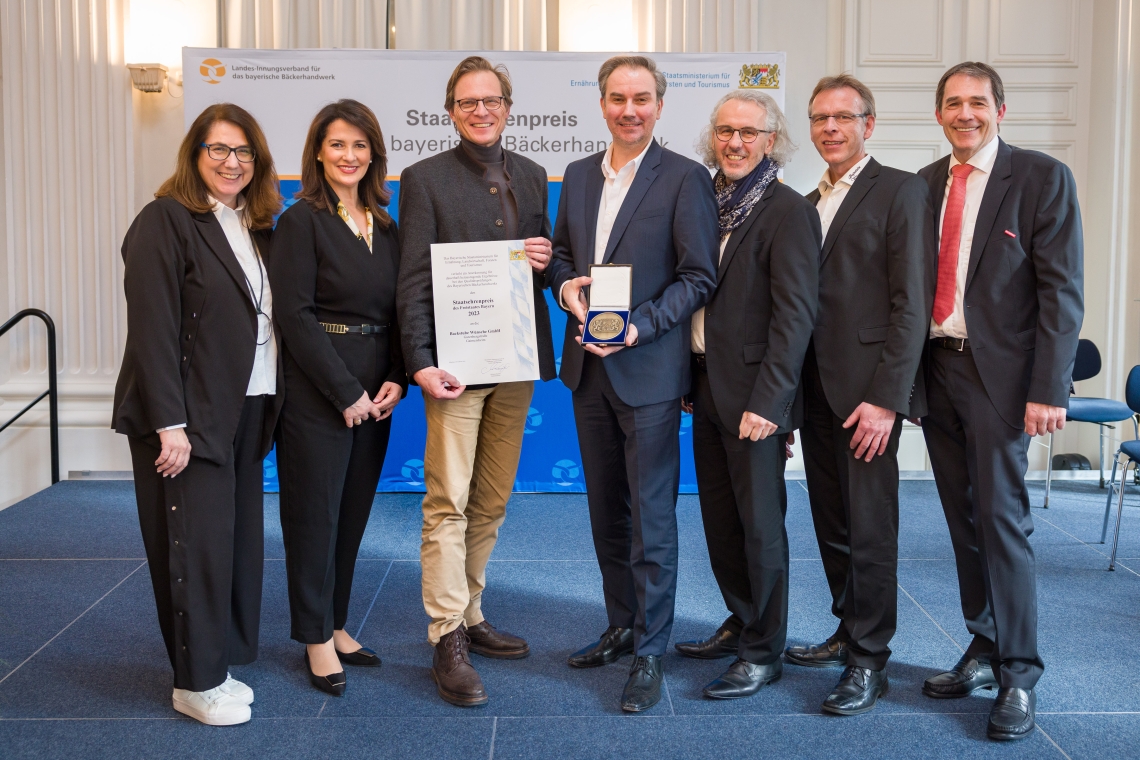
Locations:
859 382
642 205
476 191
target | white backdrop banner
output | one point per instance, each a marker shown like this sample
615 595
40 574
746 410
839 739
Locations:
556 117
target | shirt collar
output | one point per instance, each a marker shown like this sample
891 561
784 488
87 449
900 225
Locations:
220 208
608 169
984 159
825 185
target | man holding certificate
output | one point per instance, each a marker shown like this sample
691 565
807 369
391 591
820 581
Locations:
476 333
638 225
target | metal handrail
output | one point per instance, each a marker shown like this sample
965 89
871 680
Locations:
53 390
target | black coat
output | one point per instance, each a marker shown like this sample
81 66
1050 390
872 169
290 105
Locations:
1024 294
321 272
191 331
874 315
445 199
759 320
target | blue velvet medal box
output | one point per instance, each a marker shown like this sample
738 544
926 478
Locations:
607 318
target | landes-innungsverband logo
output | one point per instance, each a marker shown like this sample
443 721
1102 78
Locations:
760 76
212 70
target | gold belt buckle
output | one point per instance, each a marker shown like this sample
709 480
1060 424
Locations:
335 329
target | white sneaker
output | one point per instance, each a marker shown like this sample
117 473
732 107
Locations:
236 688
214 707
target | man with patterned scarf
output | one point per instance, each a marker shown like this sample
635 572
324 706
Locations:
748 348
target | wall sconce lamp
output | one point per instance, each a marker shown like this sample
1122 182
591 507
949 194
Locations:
148 77
155 34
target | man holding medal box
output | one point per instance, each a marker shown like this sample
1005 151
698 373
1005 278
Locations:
652 215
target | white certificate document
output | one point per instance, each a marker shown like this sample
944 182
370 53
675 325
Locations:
484 311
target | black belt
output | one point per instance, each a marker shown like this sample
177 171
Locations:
701 363
951 344
355 329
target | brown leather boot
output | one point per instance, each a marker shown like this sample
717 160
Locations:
455 679
500 645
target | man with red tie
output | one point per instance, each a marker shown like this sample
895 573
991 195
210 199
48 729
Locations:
1008 306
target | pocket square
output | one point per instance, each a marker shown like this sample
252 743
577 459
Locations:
1009 233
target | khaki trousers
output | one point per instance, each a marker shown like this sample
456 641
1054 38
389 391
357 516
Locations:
470 462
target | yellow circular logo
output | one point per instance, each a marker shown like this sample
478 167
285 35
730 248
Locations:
212 70
606 325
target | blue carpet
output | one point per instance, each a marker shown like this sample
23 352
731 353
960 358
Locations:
83 672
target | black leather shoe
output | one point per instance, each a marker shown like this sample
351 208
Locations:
857 691
968 676
1012 715
743 679
613 644
333 683
830 654
361 658
723 643
643 689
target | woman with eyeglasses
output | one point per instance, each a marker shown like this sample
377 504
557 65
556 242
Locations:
336 255
198 397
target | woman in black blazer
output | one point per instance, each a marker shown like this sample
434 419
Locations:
198 397
335 259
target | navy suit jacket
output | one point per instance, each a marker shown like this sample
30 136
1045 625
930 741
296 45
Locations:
667 229
1024 294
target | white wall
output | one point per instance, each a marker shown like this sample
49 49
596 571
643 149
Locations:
81 152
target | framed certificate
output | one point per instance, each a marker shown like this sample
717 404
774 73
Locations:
484 311
611 291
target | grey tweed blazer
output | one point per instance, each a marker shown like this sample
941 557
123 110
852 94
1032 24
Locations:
444 199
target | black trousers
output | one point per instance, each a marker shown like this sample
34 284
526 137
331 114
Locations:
631 459
855 508
743 505
204 536
979 464
328 475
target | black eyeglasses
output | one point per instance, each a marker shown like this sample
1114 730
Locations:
467 105
220 152
747 134
820 119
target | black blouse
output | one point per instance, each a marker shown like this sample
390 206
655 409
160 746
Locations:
321 272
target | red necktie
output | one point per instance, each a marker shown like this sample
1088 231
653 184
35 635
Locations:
948 247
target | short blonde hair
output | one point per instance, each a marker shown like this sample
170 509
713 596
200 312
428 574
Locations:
470 65
838 83
774 121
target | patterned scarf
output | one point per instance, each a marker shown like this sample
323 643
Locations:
736 199
342 212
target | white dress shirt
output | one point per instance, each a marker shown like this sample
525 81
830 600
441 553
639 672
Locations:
263 379
976 181
831 195
614 190
697 332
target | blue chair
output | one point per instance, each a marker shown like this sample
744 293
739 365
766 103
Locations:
1130 451
1098 411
